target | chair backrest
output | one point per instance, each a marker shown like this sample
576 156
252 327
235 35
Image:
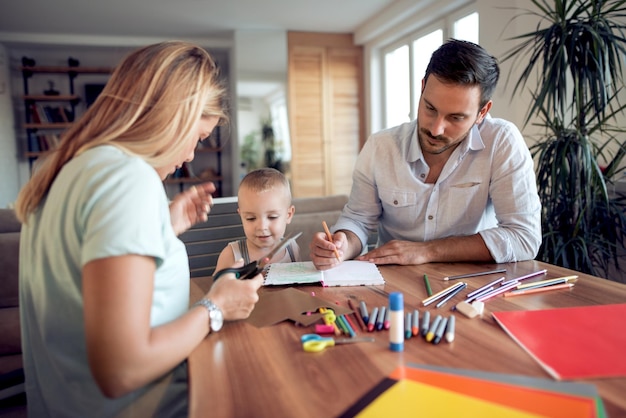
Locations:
206 240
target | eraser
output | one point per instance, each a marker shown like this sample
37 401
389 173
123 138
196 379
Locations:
479 306
467 309
324 329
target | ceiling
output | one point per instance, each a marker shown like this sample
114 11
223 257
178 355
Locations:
259 26
183 18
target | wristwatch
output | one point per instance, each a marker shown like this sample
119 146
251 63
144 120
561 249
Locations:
216 318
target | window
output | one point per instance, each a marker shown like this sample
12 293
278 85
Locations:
405 63
397 81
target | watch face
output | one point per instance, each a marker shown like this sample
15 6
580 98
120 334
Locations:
217 320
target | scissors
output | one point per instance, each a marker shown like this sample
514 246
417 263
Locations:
252 269
313 343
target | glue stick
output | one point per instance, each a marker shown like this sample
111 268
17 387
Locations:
396 318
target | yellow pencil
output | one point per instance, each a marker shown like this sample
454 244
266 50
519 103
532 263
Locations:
539 289
330 238
442 293
547 282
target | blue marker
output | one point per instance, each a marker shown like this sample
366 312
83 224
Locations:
380 321
371 324
364 314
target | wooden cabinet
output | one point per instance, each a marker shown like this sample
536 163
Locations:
325 81
50 111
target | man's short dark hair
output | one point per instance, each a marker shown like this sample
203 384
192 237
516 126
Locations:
463 62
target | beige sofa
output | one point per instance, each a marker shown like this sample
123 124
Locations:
11 374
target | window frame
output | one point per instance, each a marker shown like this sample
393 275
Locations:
446 24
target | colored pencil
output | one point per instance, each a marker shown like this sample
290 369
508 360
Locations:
528 276
539 289
429 291
330 238
357 315
497 291
548 282
450 295
441 294
481 273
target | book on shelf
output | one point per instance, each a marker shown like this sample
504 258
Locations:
46 142
348 273
34 114
51 114
33 143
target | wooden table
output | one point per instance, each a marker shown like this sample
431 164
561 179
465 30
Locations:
248 371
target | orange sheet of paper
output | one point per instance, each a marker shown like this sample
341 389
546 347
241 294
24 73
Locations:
528 399
410 399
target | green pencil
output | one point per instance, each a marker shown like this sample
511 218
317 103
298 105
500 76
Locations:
427 283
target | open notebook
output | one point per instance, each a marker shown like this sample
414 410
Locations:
348 273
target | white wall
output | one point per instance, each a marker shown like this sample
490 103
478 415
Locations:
407 17
9 175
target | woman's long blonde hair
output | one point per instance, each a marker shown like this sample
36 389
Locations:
148 108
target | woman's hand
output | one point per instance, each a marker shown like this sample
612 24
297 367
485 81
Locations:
235 298
191 207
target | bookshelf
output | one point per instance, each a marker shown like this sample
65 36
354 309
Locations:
206 166
49 112
46 116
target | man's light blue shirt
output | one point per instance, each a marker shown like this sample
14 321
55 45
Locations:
487 186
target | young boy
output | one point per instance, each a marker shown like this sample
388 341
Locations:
265 208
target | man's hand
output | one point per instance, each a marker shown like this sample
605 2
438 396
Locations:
451 249
322 250
397 252
191 206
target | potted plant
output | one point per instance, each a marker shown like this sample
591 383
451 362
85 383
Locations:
576 53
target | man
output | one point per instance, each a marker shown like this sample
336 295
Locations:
453 185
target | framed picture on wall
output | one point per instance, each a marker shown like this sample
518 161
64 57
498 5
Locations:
92 91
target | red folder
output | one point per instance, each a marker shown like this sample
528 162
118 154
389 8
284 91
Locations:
571 343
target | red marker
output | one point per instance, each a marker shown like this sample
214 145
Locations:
371 325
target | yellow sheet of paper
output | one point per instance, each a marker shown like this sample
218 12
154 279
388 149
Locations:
409 399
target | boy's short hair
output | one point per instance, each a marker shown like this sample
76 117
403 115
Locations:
263 179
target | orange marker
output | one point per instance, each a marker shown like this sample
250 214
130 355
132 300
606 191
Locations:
330 238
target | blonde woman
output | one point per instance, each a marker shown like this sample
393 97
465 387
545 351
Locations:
104 280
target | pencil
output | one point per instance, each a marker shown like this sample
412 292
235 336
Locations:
451 295
442 293
427 283
348 326
547 282
357 316
487 286
497 291
528 276
481 273
539 289
330 238
350 323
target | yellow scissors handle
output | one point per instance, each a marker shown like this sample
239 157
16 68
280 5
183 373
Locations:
315 346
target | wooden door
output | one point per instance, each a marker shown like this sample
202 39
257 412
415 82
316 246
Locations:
325 112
